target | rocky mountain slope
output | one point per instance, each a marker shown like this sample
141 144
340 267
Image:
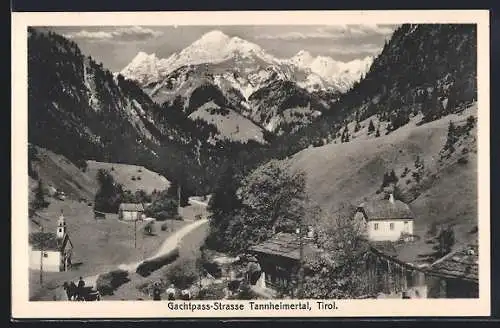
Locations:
426 71
243 72
78 109
248 59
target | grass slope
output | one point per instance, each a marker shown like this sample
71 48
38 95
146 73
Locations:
124 174
99 245
352 172
57 171
231 126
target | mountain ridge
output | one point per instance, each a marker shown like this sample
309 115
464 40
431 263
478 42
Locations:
216 47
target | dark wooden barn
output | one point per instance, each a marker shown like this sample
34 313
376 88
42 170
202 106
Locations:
455 275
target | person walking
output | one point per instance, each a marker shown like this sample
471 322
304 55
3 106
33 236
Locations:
156 292
171 292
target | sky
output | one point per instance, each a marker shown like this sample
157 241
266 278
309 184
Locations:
116 46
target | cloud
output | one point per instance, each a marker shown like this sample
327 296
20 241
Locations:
356 49
333 32
122 34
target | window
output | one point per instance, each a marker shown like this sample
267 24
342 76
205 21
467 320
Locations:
391 226
375 226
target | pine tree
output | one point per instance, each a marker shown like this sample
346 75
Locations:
445 241
371 127
39 202
377 133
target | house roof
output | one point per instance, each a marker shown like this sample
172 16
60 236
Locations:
48 241
131 207
285 245
385 209
461 263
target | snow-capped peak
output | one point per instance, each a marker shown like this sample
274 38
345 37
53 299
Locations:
217 47
302 59
143 68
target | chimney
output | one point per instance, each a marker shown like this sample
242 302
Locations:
391 197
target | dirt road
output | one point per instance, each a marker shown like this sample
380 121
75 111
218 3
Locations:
167 246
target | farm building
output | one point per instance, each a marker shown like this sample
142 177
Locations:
387 219
455 275
278 258
391 276
130 211
51 251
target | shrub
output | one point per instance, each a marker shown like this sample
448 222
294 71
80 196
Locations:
245 293
183 273
145 268
112 168
133 178
107 283
212 292
139 178
164 226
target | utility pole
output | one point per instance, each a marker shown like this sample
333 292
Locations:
179 198
41 246
41 254
135 233
301 261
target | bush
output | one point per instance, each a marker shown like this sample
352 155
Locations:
139 178
212 292
164 226
212 268
107 283
183 274
146 267
133 178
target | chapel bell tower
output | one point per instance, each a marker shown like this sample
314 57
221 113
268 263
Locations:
61 226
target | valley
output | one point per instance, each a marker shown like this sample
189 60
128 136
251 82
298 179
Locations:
257 146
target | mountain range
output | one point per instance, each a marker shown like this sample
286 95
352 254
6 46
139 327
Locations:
250 62
234 105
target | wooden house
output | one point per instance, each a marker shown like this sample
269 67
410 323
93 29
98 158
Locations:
130 211
455 275
279 260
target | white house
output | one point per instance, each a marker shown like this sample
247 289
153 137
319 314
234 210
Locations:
51 251
130 211
386 220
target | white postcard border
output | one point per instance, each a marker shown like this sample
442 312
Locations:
22 308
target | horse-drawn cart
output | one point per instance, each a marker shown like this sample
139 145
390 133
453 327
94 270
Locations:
84 294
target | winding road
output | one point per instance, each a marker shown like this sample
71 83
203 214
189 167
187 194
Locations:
170 243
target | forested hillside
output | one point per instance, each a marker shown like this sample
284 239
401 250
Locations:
427 70
78 109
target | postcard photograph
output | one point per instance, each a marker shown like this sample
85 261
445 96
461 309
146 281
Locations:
218 164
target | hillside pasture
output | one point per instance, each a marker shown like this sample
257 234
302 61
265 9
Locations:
131 177
99 245
352 172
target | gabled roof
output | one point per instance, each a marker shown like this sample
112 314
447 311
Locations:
461 263
131 207
285 245
48 241
385 209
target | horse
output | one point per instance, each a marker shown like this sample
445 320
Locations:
71 291
81 295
